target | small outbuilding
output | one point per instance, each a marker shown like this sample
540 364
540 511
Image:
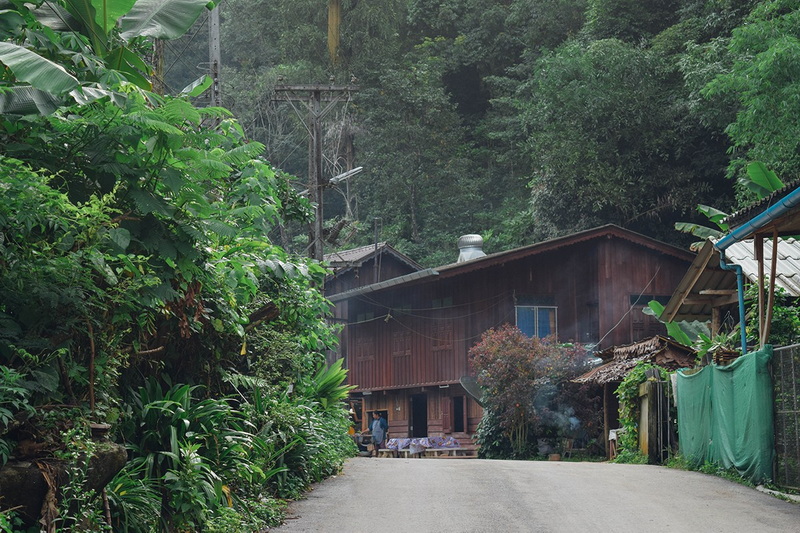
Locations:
618 361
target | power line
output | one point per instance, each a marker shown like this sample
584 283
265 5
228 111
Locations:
630 308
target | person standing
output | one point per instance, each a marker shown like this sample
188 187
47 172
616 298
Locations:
378 427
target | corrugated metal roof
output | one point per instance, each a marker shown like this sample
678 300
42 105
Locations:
455 269
788 268
353 255
706 284
356 256
743 215
609 230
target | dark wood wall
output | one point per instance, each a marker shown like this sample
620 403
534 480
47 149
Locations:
352 278
439 412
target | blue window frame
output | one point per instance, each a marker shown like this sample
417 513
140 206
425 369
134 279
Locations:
537 321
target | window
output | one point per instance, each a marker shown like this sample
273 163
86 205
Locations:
442 302
536 321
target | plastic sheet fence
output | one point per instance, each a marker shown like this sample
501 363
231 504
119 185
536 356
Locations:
725 415
786 375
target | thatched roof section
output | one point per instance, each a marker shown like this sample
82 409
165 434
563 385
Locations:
619 360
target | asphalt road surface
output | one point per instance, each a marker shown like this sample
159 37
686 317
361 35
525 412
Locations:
474 495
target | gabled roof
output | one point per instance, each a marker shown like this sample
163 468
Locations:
607 231
500 258
356 257
706 285
619 360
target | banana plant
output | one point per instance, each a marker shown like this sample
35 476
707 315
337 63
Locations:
759 179
77 50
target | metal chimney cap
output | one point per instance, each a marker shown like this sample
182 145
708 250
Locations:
470 246
470 240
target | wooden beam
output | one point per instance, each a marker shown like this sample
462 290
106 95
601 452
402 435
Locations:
719 291
688 282
715 321
712 300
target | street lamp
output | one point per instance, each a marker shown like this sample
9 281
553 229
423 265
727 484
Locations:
338 178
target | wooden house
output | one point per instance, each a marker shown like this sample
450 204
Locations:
358 267
407 339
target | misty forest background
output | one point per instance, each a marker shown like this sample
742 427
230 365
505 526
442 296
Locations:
517 119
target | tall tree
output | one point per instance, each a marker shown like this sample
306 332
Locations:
764 79
604 135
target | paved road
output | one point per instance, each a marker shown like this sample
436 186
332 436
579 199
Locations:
469 495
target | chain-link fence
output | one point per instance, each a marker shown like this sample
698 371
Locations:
786 378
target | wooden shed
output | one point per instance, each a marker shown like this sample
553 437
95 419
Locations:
407 339
618 361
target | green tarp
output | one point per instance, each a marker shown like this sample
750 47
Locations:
725 415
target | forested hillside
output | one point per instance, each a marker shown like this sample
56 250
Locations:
521 119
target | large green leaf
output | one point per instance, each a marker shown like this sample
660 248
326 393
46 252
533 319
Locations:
704 232
110 11
85 12
762 181
130 65
32 68
656 309
27 100
197 87
714 215
162 19
10 20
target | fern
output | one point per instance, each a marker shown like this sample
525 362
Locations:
241 155
221 228
181 111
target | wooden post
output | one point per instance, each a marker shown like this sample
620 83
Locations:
771 301
334 22
758 242
715 321
214 58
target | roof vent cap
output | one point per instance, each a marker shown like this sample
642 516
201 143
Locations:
470 247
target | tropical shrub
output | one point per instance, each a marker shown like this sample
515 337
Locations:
309 441
14 402
520 377
629 412
134 246
785 326
189 449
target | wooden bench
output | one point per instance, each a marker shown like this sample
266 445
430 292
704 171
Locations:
402 452
451 452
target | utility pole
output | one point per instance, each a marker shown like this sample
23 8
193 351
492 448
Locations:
313 97
214 58
157 79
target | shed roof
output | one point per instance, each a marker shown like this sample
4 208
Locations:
355 257
707 285
738 218
620 360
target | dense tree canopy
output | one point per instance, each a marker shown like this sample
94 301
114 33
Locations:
532 118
